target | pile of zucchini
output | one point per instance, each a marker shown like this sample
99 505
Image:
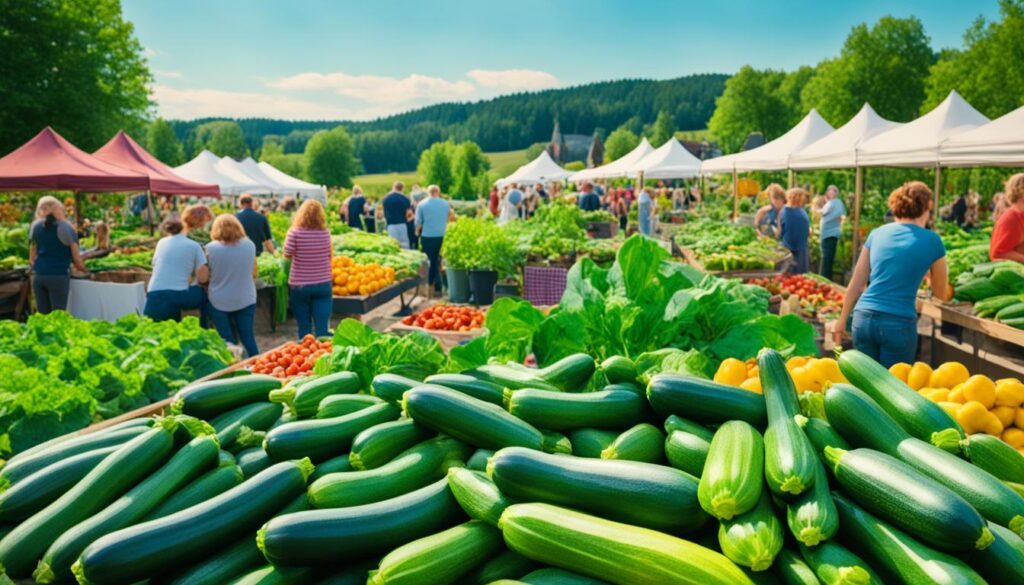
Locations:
511 475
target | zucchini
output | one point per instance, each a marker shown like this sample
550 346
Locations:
643 442
478 423
304 400
226 458
439 559
391 387
207 400
571 373
342 535
619 370
553 576
119 471
323 438
478 496
687 452
899 557
38 490
792 569
994 456
352 575
507 565
207 486
187 464
821 434
1003 562
590 442
381 443
342 404
812 516
676 423
478 460
857 417
1014 311
644 494
733 476
834 564
76 436
919 416
253 461
754 538
424 464
159 546
258 416
619 553
470 386
789 459
271 575
895 492
628 387
562 411
337 464
705 402
511 377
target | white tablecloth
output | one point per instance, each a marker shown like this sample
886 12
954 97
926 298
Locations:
107 301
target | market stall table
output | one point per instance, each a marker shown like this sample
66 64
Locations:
980 334
362 304
92 300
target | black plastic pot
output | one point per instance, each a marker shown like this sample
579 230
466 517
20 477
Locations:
506 290
481 284
458 285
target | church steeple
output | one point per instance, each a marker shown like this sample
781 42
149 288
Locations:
595 156
557 146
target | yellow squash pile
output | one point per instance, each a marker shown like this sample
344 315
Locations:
809 374
359 279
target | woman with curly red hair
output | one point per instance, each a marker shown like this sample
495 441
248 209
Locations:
1008 234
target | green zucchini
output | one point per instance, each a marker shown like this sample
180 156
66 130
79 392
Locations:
304 400
571 373
381 443
619 370
553 576
74 437
619 553
1017 488
478 496
511 377
812 516
821 434
258 416
687 452
207 486
391 387
919 416
478 460
352 575
562 411
643 494
643 442
556 443
590 442
343 535
342 404
994 456
323 438
754 538
38 490
187 464
628 387
789 459
423 464
227 458
895 492
897 556
253 461
159 546
792 569
470 386
705 402
507 565
439 559
478 423
1003 562
733 476
677 423
207 400
857 417
271 575
119 471
834 564
337 464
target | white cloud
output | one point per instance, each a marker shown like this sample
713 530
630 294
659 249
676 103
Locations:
412 89
149 52
514 79
168 73
197 103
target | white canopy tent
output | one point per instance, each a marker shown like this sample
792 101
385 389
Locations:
619 167
839 149
252 170
670 161
775 155
293 184
206 167
998 143
542 169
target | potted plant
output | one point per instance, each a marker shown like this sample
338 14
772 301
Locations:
495 252
457 253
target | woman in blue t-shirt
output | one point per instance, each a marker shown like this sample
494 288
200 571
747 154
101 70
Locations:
883 290
795 229
53 249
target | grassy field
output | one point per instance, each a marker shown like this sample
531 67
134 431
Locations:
502 164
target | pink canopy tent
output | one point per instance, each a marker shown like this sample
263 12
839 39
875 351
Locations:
48 162
126 153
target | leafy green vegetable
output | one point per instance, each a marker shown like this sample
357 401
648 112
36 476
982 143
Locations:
118 261
358 348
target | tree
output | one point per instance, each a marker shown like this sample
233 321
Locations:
162 143
331 158
273 154
790 90
468 164
620 142
73 65
751 102
989 71
435 165
223 138
534 150
664 128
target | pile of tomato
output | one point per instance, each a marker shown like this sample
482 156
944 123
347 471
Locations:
292 359
814 295
447 318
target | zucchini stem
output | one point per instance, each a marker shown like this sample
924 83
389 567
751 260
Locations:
832 456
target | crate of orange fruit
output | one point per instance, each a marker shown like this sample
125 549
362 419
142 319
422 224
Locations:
351 279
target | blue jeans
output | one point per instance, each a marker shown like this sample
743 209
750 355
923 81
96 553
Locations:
240 321
162 305
887 338
312 302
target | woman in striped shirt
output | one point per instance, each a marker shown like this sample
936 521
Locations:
308 246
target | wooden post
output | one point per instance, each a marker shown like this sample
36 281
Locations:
858 187
78 210
735 196
792 179
149 212
935 204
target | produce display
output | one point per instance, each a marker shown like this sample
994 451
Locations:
817 295
351 278
997 291
120 260
273 270
13 246
292 359
723 247
964 249
447 318
809 374
365 248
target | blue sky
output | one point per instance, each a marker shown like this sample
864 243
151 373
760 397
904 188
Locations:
336 59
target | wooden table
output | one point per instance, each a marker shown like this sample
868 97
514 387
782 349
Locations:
362 304
979 333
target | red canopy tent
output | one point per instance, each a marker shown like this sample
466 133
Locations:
126 153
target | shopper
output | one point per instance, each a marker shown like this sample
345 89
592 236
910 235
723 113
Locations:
416 196
511 201
766 220
830 229
795 229
308 246
53 248
179 267
1008 234
432 217
255 224
589 201
397 211
196 217
883 290
620 209
645 211
231 258
354 209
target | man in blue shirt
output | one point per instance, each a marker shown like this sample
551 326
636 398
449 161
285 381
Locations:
589 201
831 221
255 224
397 211
432 217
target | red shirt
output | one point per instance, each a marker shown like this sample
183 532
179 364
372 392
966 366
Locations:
1008 234
494 202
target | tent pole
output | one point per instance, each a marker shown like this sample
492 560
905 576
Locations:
735 196
792 179
858 188
639 184
78 210
149 212
935 204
